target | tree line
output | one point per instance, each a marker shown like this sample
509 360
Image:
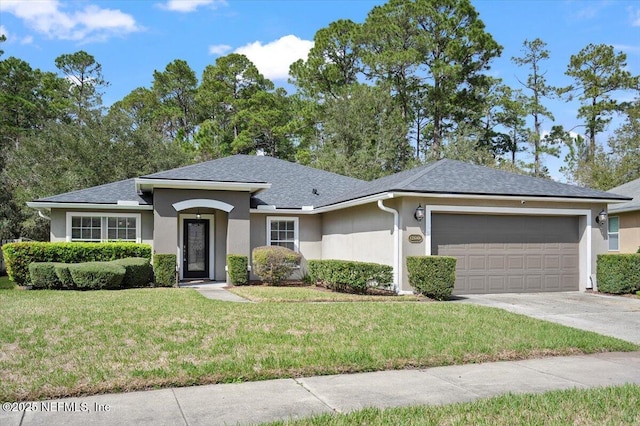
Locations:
407 86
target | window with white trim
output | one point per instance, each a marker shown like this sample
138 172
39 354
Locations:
613 225
103 227
282 231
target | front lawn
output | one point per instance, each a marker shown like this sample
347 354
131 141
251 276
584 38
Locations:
6 283
62 343
311 294
615 405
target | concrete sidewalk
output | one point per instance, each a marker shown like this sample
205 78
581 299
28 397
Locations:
256 402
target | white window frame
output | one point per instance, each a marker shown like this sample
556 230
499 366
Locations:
103 224
609 233
296 229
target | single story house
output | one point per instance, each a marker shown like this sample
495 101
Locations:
624 219
510 233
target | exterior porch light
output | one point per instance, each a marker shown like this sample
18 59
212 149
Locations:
601 219
198 215
419 213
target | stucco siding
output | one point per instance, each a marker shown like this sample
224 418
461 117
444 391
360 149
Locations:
363 233
629 231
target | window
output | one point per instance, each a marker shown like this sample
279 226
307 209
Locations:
282 231
97 227
614 233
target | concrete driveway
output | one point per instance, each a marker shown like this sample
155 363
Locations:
614 316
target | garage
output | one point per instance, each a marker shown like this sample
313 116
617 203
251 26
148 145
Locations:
509 253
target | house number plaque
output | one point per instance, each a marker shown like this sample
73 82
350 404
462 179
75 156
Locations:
415 238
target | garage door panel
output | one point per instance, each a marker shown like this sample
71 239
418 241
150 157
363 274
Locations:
552 261
509 253
515 262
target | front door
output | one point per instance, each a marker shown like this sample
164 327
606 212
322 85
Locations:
195 263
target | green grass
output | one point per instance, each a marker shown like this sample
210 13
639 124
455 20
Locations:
615 405
63 343
310 294
6 283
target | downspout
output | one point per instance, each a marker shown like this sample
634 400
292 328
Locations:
42 215
396 244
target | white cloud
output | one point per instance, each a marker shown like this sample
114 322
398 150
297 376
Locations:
26 40
3 30
634 14
627 48
219 49
90 23
186 6
273 59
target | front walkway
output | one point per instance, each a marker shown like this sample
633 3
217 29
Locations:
214 290
256 402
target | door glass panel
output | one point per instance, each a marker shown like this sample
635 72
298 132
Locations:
196 247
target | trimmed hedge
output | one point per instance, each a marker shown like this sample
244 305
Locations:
18 256
43 275
618 273
274 264
164 270
64 275
97 275
351 276
138 271
237 267
432 276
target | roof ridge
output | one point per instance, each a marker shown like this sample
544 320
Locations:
422 170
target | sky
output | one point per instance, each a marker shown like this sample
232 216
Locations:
132 38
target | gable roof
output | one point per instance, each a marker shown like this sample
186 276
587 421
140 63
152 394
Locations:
294 186
630 189
455 177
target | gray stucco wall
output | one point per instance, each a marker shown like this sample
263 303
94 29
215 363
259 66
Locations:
362 233
235 224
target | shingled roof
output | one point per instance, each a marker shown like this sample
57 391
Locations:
630 189
110 193
292 185
295 186
455 177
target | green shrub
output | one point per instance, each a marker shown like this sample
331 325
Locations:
64 275
350 276
274 264
43 275
618 273
97 275
237 267
18 256
433 276
138 271
164 270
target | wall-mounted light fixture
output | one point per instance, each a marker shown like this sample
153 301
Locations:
601 219
198 215
419 213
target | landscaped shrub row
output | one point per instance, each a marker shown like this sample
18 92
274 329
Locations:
121 273
237 268
274 264
18 256
618 273
164 270
350 276
433 276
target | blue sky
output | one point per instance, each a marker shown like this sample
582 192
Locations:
133 38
